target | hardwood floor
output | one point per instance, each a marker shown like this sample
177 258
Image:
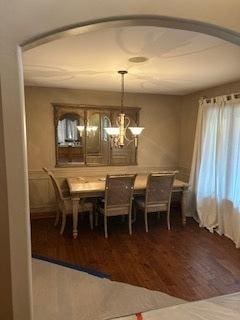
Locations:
188 263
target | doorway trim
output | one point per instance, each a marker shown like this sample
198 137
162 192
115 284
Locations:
134 20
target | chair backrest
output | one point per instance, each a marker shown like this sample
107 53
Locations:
56 187
159 187
119 190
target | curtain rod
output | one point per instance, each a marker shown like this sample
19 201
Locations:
228 96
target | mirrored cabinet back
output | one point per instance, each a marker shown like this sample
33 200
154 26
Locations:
80 138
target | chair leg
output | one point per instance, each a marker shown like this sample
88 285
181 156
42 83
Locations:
96 219
134 214
63 222
146 220
57 218
105 226
168 219
130 223
91 220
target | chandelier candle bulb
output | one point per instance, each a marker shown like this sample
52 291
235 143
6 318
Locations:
135 141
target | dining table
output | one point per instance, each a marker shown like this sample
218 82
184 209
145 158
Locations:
94 186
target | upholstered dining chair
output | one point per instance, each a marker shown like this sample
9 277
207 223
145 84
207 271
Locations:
64 204
158 195
118 198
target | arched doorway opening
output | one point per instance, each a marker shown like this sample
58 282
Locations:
167 22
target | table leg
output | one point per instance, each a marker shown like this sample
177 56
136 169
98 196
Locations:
75 203
184 207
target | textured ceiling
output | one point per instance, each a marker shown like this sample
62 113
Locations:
179 62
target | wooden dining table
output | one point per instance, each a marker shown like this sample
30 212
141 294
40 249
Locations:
90 187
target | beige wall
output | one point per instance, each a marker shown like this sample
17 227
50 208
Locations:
158 144
167 141
189 108
15 258
5 260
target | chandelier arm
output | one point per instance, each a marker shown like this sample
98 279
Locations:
128 123
129 140
125 130
117 122
134 139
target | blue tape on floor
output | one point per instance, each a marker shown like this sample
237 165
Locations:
72 266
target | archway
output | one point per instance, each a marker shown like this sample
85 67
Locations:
135 20
141 20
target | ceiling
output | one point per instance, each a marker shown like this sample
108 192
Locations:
179 62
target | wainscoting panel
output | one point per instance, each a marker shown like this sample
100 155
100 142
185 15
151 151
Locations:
41 195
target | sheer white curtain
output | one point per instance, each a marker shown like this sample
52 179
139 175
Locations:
71 126
215 173
67 130
61 131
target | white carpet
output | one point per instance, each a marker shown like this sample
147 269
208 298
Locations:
61 293
220 308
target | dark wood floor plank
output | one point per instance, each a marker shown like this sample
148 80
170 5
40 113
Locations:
189 262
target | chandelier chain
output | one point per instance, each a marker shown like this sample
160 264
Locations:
122 95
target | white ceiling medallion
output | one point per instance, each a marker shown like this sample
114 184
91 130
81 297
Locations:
138 59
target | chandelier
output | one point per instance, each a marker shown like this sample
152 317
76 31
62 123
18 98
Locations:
117 133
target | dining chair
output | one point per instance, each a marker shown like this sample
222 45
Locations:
157 197
64 203
118 198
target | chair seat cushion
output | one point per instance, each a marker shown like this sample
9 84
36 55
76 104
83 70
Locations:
85 206
140 202
114 211
154 207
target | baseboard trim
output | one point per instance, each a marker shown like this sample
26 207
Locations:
42 215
